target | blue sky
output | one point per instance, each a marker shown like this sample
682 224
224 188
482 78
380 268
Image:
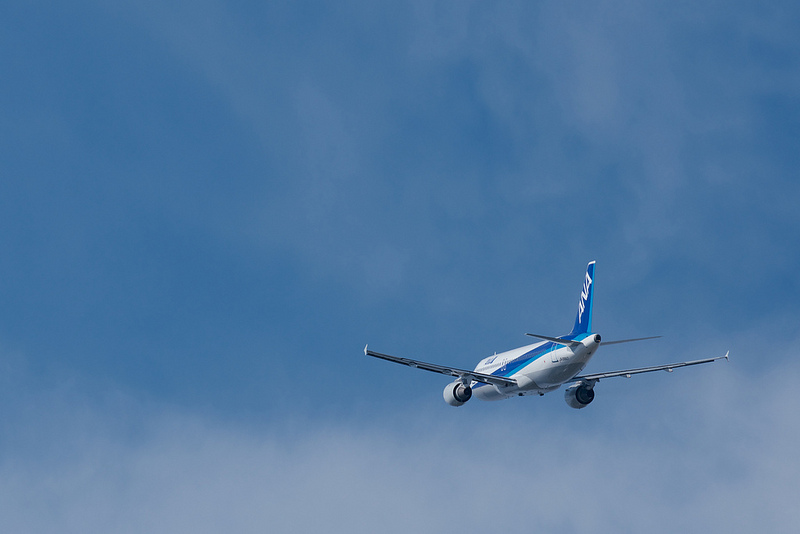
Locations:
208 208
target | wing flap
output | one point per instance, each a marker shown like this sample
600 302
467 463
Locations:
629 372
463 374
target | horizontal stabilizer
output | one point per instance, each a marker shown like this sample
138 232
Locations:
559 340
629 340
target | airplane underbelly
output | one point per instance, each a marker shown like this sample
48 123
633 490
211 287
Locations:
558 374
488 392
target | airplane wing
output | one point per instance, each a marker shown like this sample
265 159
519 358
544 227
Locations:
452 371
629 372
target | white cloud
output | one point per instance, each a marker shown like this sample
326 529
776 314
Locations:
718 456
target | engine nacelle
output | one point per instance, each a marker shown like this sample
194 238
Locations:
579 395
456 394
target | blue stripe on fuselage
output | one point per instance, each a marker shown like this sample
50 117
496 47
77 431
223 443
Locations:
521 361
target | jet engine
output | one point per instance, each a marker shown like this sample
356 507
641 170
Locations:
579 395
456 394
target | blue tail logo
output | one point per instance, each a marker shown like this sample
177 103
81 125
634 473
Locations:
583 321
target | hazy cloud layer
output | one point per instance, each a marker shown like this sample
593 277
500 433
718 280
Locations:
692 457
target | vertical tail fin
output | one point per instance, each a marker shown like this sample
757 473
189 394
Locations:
583 321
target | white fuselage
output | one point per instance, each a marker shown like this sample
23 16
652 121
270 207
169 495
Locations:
537 368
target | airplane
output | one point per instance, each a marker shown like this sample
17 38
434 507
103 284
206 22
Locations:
541 367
